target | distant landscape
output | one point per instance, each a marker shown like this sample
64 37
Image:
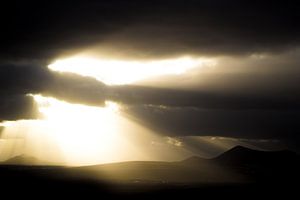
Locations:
238 169
157 99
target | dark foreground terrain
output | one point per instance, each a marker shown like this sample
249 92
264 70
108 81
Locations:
239 173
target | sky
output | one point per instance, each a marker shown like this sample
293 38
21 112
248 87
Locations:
183 77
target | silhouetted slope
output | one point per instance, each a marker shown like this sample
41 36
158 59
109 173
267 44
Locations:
22 160
239 169
239 155
261 165
164 172
238 164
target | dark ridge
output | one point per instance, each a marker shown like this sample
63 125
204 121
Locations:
240 154
24 159
236 168
262 166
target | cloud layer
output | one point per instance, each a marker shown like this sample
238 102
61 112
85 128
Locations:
252 93
40 30
19 80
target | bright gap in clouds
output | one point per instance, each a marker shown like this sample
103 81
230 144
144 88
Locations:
118 72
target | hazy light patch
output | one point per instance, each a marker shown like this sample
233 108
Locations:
174 141
75 134
85 134
117 72
29 138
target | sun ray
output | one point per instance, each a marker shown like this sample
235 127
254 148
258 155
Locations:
75 134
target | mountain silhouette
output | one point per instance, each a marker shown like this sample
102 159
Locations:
261 165
21 160
240 154
238 169
238 164
24 159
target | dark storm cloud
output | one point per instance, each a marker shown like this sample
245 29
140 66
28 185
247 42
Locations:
281 125
19 80
15 82
238 114
139 95
243 104
76 89
169 111
252 123
40 30
22 78
14 107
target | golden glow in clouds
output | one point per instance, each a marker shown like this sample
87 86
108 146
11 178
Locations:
125 72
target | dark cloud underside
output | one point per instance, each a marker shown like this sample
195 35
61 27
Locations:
14 107
40 30
17 81
183 121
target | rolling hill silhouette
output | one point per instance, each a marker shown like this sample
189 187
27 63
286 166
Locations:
243 155
26 160
257 165
238 166
22 160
